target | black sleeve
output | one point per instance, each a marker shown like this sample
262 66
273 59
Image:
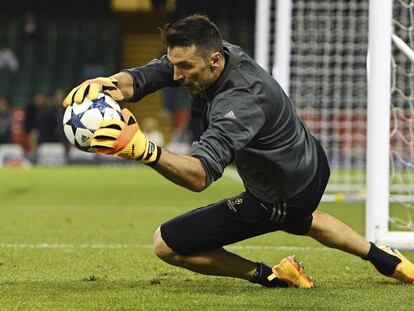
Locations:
151 77
234 121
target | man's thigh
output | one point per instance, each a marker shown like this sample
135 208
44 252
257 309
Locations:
222 223
299 209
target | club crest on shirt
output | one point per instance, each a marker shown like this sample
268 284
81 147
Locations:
231 204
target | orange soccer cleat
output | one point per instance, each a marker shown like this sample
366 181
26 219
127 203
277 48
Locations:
404 271
292 272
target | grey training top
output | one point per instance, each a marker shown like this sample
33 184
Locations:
247 118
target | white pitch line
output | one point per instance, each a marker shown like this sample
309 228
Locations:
71 246
147 246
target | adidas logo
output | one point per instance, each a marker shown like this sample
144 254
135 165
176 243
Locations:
230 115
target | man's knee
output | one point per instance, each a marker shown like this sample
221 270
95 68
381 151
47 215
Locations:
162 250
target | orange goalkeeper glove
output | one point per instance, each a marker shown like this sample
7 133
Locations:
125 140
92 88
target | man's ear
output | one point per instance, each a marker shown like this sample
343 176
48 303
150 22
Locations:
215 60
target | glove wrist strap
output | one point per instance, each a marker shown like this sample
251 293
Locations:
152 154
157 157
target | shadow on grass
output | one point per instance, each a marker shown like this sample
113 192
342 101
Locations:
186 283
197 286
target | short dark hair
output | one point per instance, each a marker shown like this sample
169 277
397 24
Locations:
195 29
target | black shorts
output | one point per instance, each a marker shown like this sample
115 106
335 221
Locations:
244 216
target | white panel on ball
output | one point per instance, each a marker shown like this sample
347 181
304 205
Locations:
83 137
110 114
92 118
110 101
67 115
79 108
69 133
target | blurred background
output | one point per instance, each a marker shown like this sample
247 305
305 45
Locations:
48 47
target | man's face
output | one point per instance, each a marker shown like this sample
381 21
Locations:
191 70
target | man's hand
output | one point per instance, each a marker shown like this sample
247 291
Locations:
92 88
125 139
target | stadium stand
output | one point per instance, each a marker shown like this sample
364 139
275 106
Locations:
47 65
12 155
51 154
76 156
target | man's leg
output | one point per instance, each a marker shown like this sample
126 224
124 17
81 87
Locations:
218 262
333 233
195 241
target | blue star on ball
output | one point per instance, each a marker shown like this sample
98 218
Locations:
75 121
100 104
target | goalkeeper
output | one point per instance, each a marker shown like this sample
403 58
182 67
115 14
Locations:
249 120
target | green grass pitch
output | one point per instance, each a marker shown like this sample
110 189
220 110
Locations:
79 238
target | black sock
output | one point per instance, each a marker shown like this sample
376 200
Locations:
261 274
383 262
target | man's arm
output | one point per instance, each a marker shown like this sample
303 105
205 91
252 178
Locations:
151 77
125 84
125 139
186 171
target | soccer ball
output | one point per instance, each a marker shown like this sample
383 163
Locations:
81 120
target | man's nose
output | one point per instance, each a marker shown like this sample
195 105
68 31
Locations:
178 76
